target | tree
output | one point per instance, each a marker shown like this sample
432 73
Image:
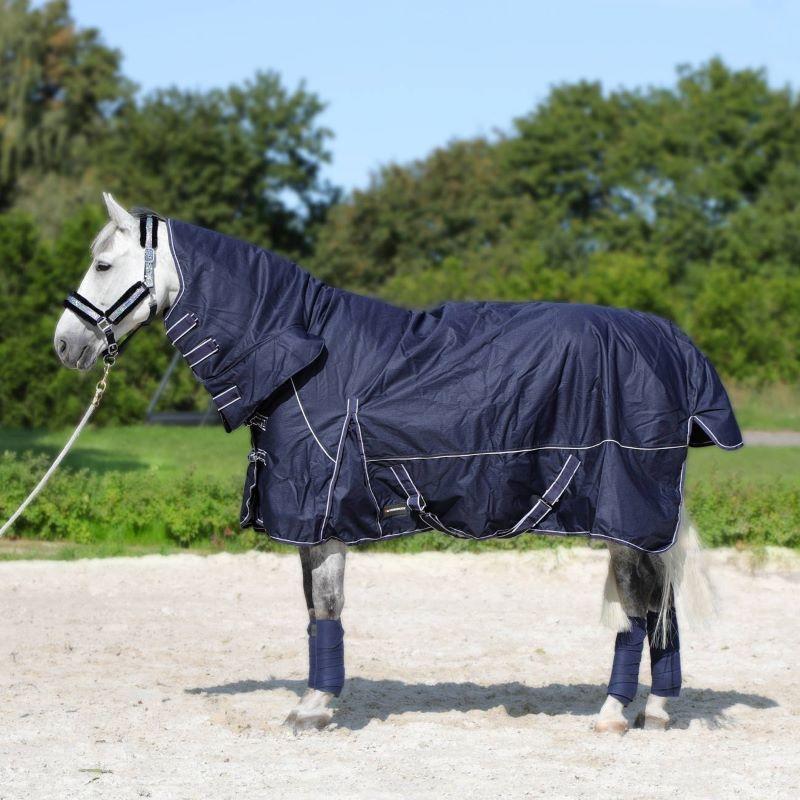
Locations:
683 200
58 87
243 160
413 218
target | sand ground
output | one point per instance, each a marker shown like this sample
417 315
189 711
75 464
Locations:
469 676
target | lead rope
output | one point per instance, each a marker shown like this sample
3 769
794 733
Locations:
99 391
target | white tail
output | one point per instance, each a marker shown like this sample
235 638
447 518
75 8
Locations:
685 578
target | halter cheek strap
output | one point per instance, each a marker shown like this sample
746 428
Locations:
105 321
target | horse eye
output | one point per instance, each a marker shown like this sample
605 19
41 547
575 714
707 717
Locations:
102 266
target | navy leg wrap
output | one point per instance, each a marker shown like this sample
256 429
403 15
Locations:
627 657
326 656
665 663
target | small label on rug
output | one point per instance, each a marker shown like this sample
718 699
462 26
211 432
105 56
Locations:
394 511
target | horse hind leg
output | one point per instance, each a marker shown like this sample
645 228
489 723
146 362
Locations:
682 579
634 578
323 586
665 666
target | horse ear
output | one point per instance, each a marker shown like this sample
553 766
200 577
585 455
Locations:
117 214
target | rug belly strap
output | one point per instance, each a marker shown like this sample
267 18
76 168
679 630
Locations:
542 506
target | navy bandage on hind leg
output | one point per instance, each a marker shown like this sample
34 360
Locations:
627 658
326 656
665 662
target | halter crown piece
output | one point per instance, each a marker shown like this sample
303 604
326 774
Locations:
105 321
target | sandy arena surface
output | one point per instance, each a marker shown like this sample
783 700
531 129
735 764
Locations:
469 676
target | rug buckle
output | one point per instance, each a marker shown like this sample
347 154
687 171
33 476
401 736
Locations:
257 454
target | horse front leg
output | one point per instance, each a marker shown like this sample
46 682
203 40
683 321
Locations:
323 586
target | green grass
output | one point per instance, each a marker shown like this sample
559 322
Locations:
752 465
772 408
122 491
169 450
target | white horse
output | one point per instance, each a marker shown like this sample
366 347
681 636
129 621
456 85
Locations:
644 593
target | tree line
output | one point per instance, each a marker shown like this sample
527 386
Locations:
680 200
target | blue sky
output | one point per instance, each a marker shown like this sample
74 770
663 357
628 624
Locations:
402 78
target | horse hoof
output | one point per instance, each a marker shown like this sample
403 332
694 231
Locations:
289 721
311 722
619 726
651 722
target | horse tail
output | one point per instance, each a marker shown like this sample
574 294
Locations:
684 583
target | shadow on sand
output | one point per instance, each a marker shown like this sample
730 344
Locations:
364 700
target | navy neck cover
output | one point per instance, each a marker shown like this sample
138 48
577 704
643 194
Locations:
476 419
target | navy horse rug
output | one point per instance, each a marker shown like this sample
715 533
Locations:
476 419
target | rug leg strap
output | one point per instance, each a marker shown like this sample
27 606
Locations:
627 658
665 663
326 656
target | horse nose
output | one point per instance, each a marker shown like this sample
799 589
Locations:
61 346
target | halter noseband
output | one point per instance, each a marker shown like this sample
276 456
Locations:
105 321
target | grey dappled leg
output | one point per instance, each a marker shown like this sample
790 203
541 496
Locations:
323 586
636 577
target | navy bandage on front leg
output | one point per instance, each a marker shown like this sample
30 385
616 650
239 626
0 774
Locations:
665 662
627 658
326 656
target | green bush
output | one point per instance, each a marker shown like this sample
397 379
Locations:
740 512
191 509
82 506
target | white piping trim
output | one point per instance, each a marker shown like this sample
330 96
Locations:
423 513
178 322
335 470
224 391
229 403
180 271
410 480
197 347
400 483
354 541
564 487
366 469
308 424
244 519
181 335
548 505
708 430
526 450
207 355
175 325
420 498
590 534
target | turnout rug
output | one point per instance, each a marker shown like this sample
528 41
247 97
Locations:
477 419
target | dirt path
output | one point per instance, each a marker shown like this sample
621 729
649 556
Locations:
469 676
772 438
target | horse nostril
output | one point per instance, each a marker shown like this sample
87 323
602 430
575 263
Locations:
61 346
